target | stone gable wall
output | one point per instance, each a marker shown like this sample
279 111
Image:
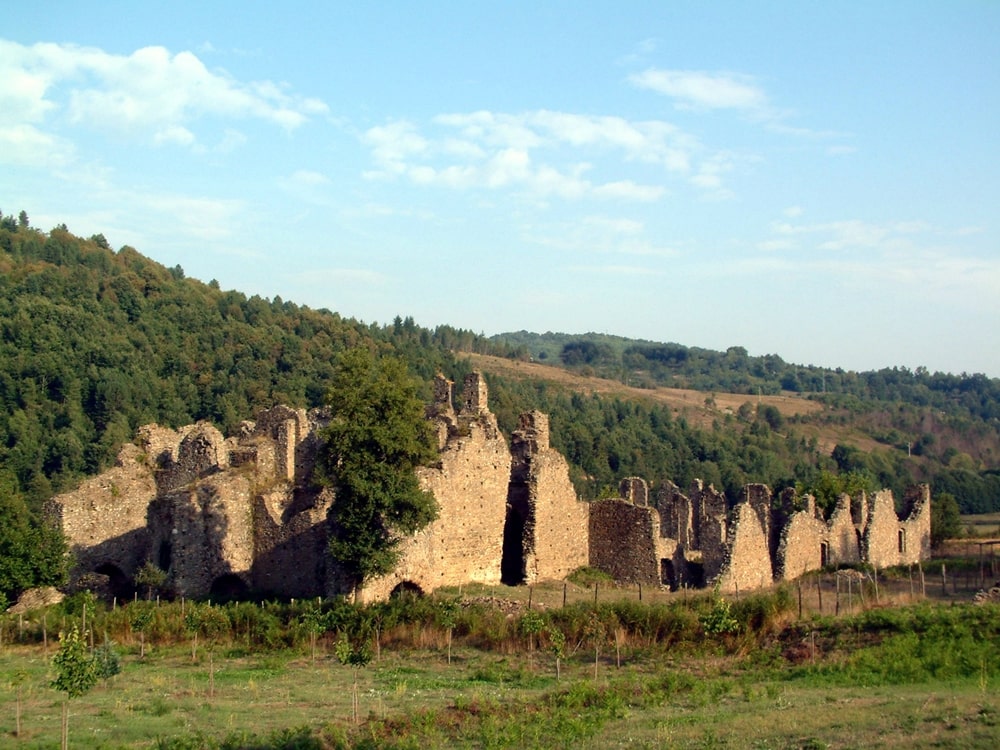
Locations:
881 538
545 530
104 519
843 537
747 564
801 546
623 541
916 527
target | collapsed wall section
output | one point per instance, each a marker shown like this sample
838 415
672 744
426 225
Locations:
546 526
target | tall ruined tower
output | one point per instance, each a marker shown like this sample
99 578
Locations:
546 530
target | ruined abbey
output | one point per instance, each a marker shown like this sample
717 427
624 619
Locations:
225 515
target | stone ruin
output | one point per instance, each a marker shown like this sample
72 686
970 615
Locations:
698 539
229 515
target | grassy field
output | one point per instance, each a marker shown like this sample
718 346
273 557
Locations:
982 525
693 672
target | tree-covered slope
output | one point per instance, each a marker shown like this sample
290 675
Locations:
96 342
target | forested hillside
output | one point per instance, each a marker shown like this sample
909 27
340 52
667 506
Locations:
97 342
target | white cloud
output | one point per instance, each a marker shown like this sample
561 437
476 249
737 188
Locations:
309 178
26 145
628 190
394 144
618 226
692 88
150 93
202 218
543 153
853 234
909 258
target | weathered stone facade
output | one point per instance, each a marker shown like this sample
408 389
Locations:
626 539
225 515
700 540
215 513
545 530
470 483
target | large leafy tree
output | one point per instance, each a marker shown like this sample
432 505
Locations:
376 438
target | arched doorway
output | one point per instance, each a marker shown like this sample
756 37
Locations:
406 588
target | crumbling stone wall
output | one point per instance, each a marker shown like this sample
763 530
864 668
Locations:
746 564
880 542
623 541
626 539
202 450
711 518
104 519
801 548
206 531
546 526
470 484
244 509
916 526
843 536
290 554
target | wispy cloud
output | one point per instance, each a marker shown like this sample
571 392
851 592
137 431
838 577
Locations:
329 276
545 153
699 89
912 258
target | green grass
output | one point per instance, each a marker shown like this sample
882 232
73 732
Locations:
916 676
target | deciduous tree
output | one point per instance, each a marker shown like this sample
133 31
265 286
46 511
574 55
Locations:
377 437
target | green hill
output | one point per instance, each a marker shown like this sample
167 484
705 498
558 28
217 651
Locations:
97 342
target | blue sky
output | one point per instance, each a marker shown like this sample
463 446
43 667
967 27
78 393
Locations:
815 180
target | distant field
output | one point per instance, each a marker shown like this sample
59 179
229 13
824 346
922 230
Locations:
982 525
689 403
679 399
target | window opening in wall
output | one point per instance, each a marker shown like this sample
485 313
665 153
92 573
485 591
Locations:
164 556
513 567
902 541
667 576
824 554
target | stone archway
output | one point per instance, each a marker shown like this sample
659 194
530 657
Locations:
406 588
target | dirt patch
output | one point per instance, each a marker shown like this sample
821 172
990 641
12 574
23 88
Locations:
698 406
